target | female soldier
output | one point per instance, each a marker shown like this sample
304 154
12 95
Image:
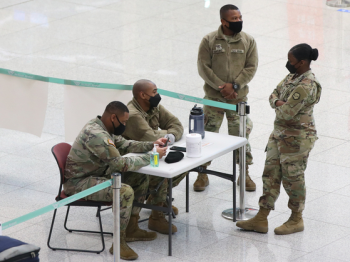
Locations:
290 143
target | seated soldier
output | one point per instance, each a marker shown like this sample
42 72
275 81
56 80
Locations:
96 154
150 121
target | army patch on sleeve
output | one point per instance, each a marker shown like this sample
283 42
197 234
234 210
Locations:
296 96
111 142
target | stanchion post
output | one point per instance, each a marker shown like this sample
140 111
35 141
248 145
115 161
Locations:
116 214
242 159
242 213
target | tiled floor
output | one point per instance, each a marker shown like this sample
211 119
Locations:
125 40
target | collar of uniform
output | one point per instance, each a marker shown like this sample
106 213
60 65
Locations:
143 112
98 121
301 77
221 35
307 73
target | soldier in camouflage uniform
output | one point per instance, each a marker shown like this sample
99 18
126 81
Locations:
151 121
227 62
290 143
96 154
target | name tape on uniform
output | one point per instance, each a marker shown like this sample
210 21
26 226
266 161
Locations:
115 86
56 205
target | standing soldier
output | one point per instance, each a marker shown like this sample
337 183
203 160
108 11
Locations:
96 154
227 62
290 143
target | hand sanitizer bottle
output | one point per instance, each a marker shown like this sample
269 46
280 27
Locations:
155 157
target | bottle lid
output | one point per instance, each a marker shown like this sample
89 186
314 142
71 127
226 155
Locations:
196 110
154 149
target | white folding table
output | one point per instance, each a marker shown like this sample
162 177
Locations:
214 145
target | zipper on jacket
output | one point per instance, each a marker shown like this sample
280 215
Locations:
228 60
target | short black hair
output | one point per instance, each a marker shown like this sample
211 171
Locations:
225 8
304 52
117 108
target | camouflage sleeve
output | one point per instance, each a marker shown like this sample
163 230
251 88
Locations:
138 129
295 102
107 152
250 67
204 66
169 122
130 146
275 95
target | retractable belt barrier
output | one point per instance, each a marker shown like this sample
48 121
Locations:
116 184
56 205
116 86
108 183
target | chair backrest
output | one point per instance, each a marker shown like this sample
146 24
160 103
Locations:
60 152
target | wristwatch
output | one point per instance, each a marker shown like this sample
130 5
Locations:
235 86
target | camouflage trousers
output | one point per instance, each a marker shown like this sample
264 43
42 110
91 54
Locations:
161 194
286 161
213 120
106 195
141 183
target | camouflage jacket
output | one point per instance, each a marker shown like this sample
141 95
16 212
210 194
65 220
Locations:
222 60
295 117
95 150
151 125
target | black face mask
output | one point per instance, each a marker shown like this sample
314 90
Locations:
120 129
291 68
235 27
154 100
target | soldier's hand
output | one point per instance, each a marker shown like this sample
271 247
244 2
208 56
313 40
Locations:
161 151
233 95
223 86
226 89
161 141
279 103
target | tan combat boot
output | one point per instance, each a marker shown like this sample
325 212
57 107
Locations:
175 209
126 252
249 183
258 223
201 183
158 222
294 224
134 233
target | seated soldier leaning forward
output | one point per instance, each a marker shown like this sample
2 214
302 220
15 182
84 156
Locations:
96 154
150 121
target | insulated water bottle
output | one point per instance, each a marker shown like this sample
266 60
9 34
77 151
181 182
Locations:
196 124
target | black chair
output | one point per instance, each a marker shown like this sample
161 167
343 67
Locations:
60 152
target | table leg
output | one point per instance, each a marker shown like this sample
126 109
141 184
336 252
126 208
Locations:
231 212
170 213
234 185
187 191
